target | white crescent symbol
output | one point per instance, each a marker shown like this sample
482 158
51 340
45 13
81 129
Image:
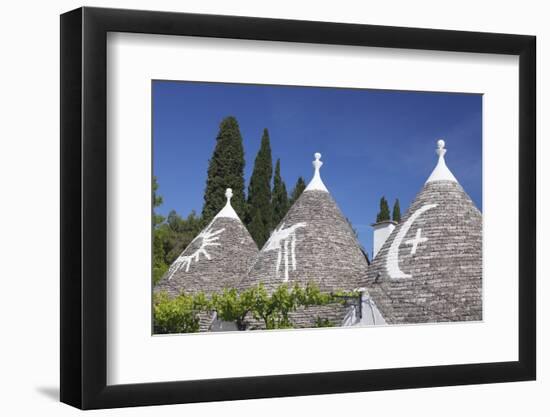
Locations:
392 260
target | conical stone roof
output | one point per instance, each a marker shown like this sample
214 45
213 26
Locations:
430 267
313 243
219 257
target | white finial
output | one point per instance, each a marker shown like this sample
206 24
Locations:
228 210
440 151
441 172
317 164
229 194
316 182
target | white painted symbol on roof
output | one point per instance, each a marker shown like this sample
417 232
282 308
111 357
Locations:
279 241
416 241
208 238
392 259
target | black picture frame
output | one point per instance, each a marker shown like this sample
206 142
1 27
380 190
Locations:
84 207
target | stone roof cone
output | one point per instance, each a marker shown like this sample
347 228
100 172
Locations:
430 267
314 242
219 257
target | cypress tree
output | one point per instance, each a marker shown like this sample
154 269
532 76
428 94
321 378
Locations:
225 170
159 265
279 199
396 214
256 227
157 201
384 213
259 215
298 190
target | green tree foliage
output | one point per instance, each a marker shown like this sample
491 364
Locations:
323 322
384 213
396 213
157 201
256 227
259 215
225 170
180 314
177 233
298 190
279 198
274 309
159 261
232 305
171 235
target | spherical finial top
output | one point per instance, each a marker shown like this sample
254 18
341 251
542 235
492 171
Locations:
441 172
316 183
229 193
317 164
441 148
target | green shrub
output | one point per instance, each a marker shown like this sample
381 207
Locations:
323 322
178 314
181 314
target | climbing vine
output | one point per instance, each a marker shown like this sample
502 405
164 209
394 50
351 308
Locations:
181 314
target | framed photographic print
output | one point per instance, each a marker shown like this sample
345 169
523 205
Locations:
257 207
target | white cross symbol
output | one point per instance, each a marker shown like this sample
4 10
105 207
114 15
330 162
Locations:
416 241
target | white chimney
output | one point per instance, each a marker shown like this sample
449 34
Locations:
381 232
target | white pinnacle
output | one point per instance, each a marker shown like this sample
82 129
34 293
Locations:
228 210
441 172
316 182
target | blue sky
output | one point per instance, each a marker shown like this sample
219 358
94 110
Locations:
374 142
